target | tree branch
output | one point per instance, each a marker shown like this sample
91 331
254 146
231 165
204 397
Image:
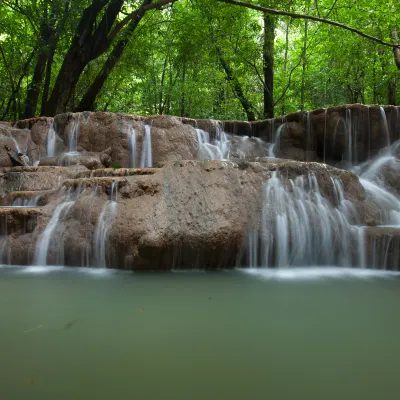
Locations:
309 17
137 14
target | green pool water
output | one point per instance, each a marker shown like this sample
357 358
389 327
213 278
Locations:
257 334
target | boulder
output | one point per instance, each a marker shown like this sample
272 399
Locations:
185 214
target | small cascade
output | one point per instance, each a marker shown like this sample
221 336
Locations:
272 150
17 148
372 178
325 128
207 150
222 142
104 224
73 135
349 137
387 203
131 136
146 160
309 136
4 238
43 244
51 140
21 202
300 227
385 127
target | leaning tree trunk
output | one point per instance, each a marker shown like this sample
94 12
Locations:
90 41
268 65
88 100
34 86
396 50
237 88
392 91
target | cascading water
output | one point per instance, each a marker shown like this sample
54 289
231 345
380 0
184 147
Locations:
43 244
385 126
226 146
73 135
309 136
349 134
104 224
206 149
300 227
325 126
131 136
275 146
17 148
21 202
222 142
51 140
372 178
146 160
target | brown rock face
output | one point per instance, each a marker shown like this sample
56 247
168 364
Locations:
383 247
186 214
183 213
338 135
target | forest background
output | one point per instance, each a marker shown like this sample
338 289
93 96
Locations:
196 58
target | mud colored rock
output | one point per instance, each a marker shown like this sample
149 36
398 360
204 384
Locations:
32 178
383 247
89 161
18 221
185 214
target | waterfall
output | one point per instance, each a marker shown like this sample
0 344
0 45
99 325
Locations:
21 202
308 138
17 148
42 246
370 174
146 160
300 227
222 142
51 140
104 224
207 150
131 136
325 126
349 132
385 126
275 146
73 135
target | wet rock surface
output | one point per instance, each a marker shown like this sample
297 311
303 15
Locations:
185 214
182 212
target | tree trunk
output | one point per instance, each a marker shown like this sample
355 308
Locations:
182 100
268 65
161 93
89 98
17 87
396 50
285 62
47 80
392 91
237 88
34 87
90 42
303 73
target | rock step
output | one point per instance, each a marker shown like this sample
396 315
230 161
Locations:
25 195
111 172
382 245
22 179
104 181
31 169
18 220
